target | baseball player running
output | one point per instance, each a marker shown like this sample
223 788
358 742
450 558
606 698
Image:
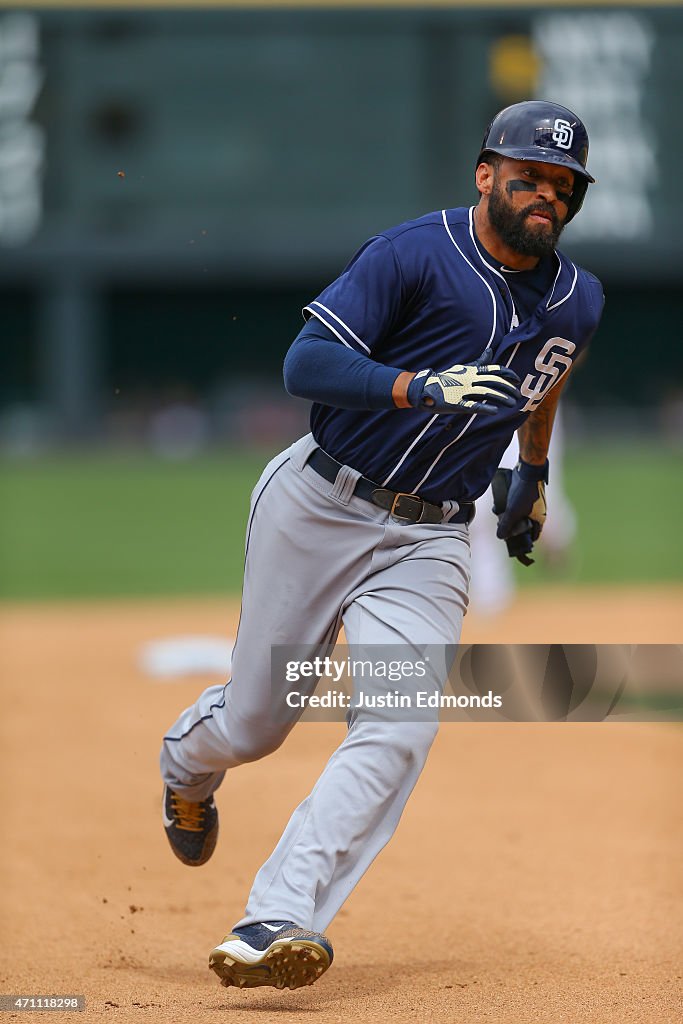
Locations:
440 338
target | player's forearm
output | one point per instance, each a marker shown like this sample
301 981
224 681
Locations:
534 433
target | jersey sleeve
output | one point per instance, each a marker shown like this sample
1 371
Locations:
363 304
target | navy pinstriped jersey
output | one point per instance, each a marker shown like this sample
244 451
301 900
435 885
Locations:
426 294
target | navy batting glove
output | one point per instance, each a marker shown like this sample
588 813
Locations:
525 507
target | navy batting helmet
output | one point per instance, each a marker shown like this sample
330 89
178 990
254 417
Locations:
546 132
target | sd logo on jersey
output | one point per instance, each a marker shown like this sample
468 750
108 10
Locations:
551 365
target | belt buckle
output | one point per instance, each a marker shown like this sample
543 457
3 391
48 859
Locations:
411 498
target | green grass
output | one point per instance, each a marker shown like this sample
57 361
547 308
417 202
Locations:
86 526
629 503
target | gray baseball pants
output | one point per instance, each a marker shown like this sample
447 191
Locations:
317 558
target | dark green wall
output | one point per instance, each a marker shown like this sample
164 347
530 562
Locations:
259 149
185 339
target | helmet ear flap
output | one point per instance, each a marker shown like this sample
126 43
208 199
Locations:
578 196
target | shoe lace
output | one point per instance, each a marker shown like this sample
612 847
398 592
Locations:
190 816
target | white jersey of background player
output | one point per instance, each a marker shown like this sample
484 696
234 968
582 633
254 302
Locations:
492 585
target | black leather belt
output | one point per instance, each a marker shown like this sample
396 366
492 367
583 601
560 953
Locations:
410 507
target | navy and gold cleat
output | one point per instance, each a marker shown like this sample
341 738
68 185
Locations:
192 828
275 953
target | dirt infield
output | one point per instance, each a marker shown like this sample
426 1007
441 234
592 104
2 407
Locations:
535 876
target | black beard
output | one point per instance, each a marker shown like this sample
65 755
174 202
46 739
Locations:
513 230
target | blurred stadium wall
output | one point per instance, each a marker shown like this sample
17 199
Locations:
175 184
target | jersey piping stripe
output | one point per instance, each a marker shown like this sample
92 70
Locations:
322 320
557 277
514 352
493 331
560 301
221 704
480 276
409 449
489 267
470 420
339 321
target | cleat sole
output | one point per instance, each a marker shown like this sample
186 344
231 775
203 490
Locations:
287 963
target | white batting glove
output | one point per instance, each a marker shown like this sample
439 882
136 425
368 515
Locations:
471 388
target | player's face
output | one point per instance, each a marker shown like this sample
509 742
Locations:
528 204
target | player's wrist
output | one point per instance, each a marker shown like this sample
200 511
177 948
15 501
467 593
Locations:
416 388
532 471
400 389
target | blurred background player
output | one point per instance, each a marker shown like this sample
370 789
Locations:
493 586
